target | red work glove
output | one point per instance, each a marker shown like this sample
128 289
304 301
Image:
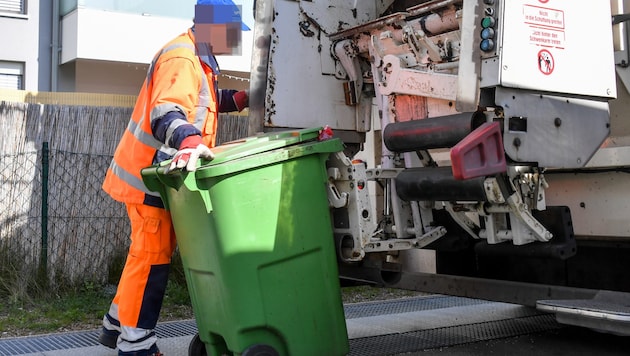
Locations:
241 99
189 152
325 134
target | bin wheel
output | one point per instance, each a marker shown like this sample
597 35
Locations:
260 350
197 347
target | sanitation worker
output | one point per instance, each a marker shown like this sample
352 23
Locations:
175 117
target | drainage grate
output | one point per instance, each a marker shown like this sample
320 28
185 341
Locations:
390 344
21 346
407 305
393 344
176 329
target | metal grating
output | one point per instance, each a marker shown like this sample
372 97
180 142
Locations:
393 344
390 344
407 305
176 329
25 345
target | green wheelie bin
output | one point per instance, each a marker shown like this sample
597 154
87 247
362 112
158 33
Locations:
255 237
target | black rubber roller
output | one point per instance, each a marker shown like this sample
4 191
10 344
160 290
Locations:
435 132
437 184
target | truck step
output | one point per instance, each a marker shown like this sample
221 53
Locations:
607 311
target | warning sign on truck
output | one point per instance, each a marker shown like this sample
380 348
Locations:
543 46
547 26
545 62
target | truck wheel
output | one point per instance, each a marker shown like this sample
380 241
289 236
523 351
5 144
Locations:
260 350
197 347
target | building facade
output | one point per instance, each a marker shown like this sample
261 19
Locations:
97 46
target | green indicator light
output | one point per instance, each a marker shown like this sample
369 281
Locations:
487 22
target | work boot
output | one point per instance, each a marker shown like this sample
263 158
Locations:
108 337
152 351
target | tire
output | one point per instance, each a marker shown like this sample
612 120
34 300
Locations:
260 350
197 347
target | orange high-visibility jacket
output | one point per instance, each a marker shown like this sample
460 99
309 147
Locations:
176 81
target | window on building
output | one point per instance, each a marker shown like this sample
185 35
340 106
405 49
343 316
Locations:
13 6
12 75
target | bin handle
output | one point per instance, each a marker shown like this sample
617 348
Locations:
152 181
173 179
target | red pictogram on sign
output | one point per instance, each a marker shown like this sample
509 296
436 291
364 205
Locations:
544 1
546 63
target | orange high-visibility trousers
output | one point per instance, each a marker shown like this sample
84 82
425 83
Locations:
143 281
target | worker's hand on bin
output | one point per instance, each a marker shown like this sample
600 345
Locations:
191 149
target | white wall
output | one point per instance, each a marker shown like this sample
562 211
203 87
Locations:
130 38
118 37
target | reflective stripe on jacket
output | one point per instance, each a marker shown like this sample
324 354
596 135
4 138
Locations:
176 81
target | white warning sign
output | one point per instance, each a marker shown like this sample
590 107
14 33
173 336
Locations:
544 47
547 26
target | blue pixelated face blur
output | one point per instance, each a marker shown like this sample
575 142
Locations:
218 29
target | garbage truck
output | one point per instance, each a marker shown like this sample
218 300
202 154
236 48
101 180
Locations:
486 143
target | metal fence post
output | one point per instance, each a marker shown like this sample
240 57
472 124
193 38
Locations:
43 263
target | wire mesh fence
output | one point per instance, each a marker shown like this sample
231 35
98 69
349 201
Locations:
54 217
20 227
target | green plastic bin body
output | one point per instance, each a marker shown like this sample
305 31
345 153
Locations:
256 241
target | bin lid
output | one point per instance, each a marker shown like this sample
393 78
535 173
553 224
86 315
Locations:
264 149
240 155
261 143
